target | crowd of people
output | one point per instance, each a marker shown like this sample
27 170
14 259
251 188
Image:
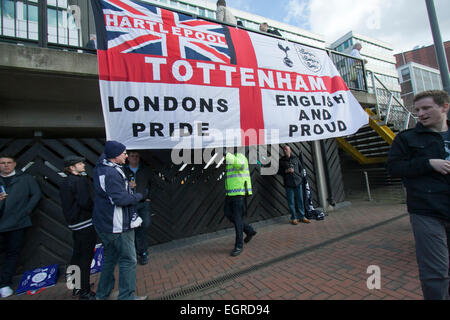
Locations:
115 209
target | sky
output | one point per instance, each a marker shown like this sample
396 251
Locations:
403 24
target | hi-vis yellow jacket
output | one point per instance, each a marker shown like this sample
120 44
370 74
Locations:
237 174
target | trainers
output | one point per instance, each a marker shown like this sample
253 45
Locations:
87 296
5 292
304 220
249 237
136 221
236 252
144 259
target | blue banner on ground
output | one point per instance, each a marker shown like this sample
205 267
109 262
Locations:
38 279
97 262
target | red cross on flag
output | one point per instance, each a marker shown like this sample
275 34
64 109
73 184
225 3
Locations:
171 81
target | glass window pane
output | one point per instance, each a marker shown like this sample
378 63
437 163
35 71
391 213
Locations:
427 80
33 23
21 20
51 2
51 22
406 75
62 4
8 18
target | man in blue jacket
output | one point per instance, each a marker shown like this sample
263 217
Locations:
421 157
19 195
114 212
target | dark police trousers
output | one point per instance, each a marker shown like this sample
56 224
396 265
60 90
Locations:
83 252
234 210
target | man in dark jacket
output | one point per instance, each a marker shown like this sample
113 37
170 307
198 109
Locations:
19 195
421 157
114 218
264 27
139 176
76 200
290 169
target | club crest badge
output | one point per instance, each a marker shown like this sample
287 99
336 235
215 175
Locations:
286 59
309 59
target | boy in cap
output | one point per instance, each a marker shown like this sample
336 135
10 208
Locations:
76 199
114 208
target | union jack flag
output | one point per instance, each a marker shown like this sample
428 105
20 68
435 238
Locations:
136 27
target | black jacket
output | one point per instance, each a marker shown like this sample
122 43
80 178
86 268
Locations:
142 179
23 196
428 191
76 200
291 180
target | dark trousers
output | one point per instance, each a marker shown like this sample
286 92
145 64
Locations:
234 211
141 233
432 252
84 241
11 243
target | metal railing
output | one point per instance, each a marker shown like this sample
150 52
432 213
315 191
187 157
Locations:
389 108
351 69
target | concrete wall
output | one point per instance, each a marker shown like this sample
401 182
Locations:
49 90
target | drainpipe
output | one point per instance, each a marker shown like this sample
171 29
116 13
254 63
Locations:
320 176
330 198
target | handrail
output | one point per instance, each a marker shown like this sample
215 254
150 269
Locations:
389 110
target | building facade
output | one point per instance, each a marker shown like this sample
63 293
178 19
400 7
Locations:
415 78
425 56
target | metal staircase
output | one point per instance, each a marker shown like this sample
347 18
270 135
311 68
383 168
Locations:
371 144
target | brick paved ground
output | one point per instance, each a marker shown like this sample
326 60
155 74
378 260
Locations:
324 260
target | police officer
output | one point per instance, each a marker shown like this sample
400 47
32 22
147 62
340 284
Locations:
238 186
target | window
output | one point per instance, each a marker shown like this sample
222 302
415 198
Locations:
19 19
183 5
427 80
8 16
61 25
406 75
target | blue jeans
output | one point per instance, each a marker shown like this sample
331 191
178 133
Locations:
295 199
118 248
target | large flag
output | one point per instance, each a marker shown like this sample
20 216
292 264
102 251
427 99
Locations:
169 80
